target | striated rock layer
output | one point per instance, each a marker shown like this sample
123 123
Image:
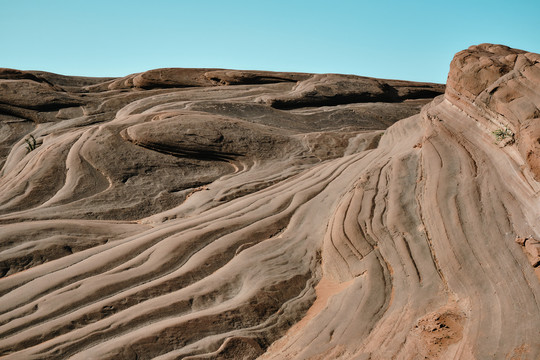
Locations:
223 214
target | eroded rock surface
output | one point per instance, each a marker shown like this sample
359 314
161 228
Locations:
224 214
500 88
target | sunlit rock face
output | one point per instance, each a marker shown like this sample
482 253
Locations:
500 88
224 214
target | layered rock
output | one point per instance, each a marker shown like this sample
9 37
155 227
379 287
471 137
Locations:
500 88
224 214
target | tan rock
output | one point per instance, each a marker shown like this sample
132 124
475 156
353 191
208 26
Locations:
500 87
225 214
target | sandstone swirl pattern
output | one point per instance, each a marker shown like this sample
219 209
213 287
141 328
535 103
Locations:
220 214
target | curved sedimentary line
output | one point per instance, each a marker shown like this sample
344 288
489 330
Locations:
29 174
78 173
480 260
514 181
194 229
346 207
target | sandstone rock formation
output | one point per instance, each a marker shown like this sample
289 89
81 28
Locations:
223 214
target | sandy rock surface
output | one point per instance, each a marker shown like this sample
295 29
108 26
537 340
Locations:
225 214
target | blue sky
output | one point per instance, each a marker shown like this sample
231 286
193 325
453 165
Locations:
409 40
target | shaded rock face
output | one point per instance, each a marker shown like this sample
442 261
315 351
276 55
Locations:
224 214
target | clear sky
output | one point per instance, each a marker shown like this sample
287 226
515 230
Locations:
409 40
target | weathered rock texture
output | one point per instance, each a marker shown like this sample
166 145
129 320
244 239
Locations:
219 214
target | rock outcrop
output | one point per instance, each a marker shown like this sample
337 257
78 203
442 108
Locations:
500 88
224 214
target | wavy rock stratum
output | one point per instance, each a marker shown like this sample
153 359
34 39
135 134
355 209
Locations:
223 214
